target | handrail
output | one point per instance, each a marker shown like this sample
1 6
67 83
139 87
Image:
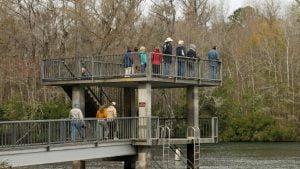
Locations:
64 131
89 89
67 67
112 66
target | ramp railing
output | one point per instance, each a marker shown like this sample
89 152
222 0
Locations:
47 132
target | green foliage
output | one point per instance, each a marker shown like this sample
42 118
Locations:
55 109
19 110
16 110
257 127
240 15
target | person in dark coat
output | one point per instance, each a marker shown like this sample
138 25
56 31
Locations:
128 63
167 57
192 55
181 54
213 57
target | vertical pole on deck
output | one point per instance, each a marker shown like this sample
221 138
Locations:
78 97
192 117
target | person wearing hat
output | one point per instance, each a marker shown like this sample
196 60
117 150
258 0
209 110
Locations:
181 54
77 123
167 58
111 116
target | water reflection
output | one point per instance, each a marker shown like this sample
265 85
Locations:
217 156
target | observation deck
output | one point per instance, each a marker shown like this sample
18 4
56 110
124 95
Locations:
109 71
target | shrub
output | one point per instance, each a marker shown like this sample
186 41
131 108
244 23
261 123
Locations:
258 127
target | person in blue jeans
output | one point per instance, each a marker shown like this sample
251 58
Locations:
181 60
167 57
213 57
77 123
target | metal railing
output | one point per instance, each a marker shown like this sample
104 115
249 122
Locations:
208 127
112 66
46 132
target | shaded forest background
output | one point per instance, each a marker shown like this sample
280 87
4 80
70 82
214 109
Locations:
259 46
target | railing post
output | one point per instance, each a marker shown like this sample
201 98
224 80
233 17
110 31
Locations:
199 69
42 69
49 132
213 129
14 135
176 67
149 66
93 71
221 74
216 129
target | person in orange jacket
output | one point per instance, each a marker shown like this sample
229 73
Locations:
102 127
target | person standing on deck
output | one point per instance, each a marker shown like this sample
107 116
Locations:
143 58
167 58
102 127
156 61
128 63
192 55
213 57
77 122
111 122
181 54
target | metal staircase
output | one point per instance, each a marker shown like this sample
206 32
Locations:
95 96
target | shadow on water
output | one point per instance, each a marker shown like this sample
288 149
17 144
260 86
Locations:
217 156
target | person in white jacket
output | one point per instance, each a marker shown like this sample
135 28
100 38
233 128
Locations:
77 123
112 124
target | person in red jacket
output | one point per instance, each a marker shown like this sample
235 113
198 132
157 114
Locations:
156 58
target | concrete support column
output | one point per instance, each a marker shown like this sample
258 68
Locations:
130 108
192 116
78 97
130 162
144 157
78 164
144 103
144 100
193 106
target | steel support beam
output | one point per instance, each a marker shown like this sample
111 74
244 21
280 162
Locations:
36 156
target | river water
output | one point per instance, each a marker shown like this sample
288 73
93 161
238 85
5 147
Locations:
218 156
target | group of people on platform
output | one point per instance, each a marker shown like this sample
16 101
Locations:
106 126
135 61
